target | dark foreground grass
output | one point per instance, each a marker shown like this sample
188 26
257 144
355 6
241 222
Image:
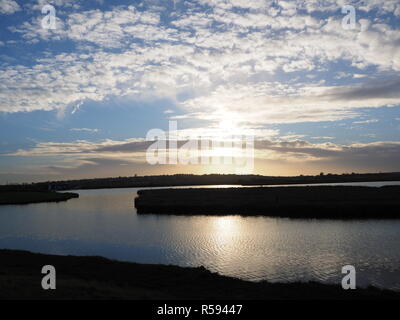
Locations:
295 202
26 197
100 278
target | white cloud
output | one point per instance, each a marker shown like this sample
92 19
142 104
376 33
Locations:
9 7
366 121
327 155
56 3
266 103
359 76
228 70
85 130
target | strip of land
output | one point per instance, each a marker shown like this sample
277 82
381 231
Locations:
100 278
26 197
296 202
192 180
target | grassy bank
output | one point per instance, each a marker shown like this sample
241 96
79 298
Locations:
26 197
100 278
296 202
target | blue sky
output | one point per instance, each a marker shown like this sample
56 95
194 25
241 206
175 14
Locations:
318 95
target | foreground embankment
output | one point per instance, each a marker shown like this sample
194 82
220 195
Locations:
26 197
100 278
296 202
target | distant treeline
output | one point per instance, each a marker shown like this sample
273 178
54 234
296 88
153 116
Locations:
189 179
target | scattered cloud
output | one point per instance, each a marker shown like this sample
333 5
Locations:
222 58
132 150
359 76
85 130
322 138
9 7
228 66
366 121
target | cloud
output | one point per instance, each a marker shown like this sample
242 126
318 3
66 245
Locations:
9 7
366 121
85 130
271 102
370 156
359 76
108 29
56 3
136 146
382 89
82 158
81 147
289 149
223 61
232 66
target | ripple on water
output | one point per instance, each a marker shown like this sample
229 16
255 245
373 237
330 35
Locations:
252 248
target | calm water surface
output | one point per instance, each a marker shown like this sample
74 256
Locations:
105 223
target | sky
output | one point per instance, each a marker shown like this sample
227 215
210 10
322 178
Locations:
317 87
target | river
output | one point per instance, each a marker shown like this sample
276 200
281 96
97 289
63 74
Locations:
104 222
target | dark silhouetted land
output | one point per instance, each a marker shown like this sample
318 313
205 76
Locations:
100 278
295 201
25 197
191 180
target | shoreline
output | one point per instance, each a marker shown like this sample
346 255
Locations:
199 180
344 202
100 278
29 197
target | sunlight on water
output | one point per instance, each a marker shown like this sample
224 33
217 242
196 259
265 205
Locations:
104 222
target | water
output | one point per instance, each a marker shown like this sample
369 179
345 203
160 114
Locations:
104 222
